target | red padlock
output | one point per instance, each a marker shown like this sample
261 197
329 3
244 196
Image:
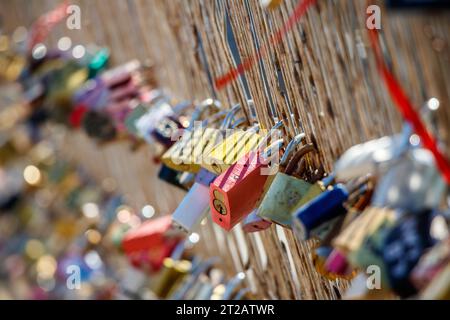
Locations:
236 192
151 243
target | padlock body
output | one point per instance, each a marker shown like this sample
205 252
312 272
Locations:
320 210
189 152
284 193
230 150
193 209
254 223
353 236
132 118
165 130
170 176
205 177
235 193
149 235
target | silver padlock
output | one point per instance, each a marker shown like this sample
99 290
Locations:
193 209
412 184
372 157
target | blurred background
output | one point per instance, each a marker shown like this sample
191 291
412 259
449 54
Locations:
84 198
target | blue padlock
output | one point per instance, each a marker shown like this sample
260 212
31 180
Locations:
320 210
205 177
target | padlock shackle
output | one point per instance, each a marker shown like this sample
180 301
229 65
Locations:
227 122
205 105
293 163
237 123
263 141
291 147
275 146
179 108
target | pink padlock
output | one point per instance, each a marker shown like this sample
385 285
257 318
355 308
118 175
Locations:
337 264
254 223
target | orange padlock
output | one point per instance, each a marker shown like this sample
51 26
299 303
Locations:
236 192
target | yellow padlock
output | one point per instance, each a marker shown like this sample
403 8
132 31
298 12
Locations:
229 151
187 154
171 276
352 237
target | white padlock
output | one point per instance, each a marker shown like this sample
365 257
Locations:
193 209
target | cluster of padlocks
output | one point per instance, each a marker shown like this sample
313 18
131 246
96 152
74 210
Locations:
382 205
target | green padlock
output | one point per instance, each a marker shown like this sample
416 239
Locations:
287 190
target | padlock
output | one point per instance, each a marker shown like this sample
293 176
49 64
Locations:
171 277
195 205
373 157
434 262
171 176
230 150
329 262
165 131
198 268
338 265
132 117
285 192
402 248
412 184
193 209
237 191
92 95
98 60
155 114
324 208
188 153
254 223
150 234
370 252
99 126
357 231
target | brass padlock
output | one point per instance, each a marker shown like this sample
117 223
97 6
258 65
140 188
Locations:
286 190
171 276
352 237
187 153
234 147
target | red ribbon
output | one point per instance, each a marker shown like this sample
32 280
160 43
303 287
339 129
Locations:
44 25
407 110
275 39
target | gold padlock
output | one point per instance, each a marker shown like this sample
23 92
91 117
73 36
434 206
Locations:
352 237
171 276
187 154
230 150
